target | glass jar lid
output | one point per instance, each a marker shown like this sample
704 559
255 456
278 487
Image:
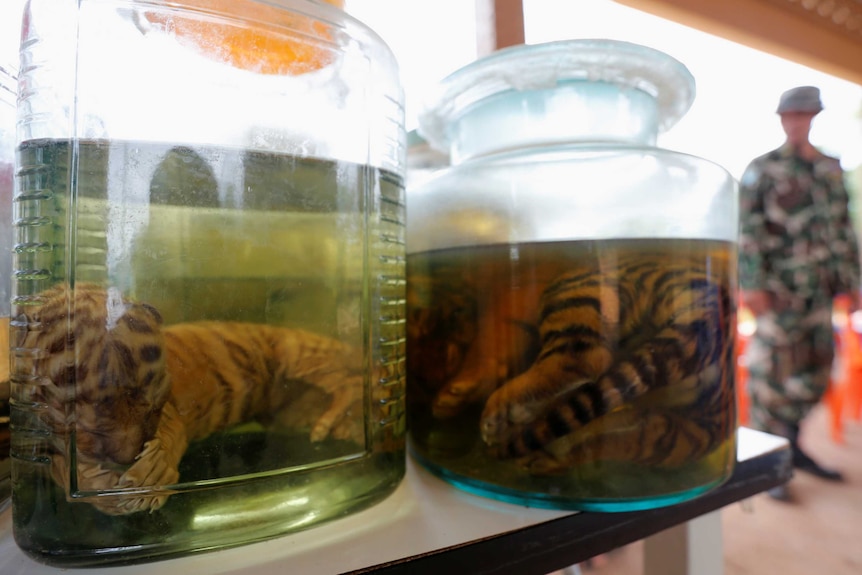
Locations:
541 67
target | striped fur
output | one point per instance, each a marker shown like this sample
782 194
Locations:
612 337
136 392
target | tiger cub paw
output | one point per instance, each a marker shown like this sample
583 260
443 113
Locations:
94 477
343 398
474 383
150 468
494 422
150 471
505 417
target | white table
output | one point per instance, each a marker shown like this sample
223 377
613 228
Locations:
428 527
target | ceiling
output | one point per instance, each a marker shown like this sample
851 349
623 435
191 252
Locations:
822 34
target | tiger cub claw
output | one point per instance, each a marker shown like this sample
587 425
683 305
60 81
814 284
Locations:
150 469
334 420
94 477
501 419
493 426
450 400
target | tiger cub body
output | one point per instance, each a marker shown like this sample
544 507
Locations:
627 360
137 392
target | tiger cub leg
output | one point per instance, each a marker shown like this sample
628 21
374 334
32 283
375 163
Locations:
642 409
487 363
516 419
156 465
505 344
643 436
336 373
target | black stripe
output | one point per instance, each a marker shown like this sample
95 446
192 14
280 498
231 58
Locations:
151 353
568 346
593 392
621 384
573 281
530 440
226 399
668 276
124 354
582 414
58 345
81 372
645 371
148 378
102 367
638 274
664 347
136 324
558 424
659 363
153 312
238 354
558 305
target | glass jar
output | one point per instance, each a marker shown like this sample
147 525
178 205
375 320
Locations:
571 287
208 302
8 89
422 159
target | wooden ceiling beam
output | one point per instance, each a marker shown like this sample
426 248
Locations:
499 24
798 30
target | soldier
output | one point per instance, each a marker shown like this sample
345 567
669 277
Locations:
798 251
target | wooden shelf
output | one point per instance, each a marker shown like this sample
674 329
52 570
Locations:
428 527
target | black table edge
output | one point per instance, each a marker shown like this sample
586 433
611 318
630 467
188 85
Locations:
559 543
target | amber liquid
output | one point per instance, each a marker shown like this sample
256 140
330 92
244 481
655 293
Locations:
472 304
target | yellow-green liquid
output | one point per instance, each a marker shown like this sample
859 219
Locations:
6 170
489 297
227 235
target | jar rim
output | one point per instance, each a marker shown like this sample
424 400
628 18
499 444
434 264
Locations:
544 66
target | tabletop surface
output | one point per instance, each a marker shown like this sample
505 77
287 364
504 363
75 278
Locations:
427 526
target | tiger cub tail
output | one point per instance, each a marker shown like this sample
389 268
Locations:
610 336
663 428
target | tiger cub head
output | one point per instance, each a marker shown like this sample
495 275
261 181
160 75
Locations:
101 360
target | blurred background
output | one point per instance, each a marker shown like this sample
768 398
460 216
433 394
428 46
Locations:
733 117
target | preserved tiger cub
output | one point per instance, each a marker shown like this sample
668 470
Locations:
137 392
623 344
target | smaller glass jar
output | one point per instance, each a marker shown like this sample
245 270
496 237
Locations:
571 287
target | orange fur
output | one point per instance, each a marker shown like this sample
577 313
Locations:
624 329
135 393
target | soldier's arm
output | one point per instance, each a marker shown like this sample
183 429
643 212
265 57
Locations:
846 246
752 239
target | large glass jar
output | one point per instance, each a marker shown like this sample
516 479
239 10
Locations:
208 305
571 287
8 89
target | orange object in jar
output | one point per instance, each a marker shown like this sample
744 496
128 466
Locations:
264 49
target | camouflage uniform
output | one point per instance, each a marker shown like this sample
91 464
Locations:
797 243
